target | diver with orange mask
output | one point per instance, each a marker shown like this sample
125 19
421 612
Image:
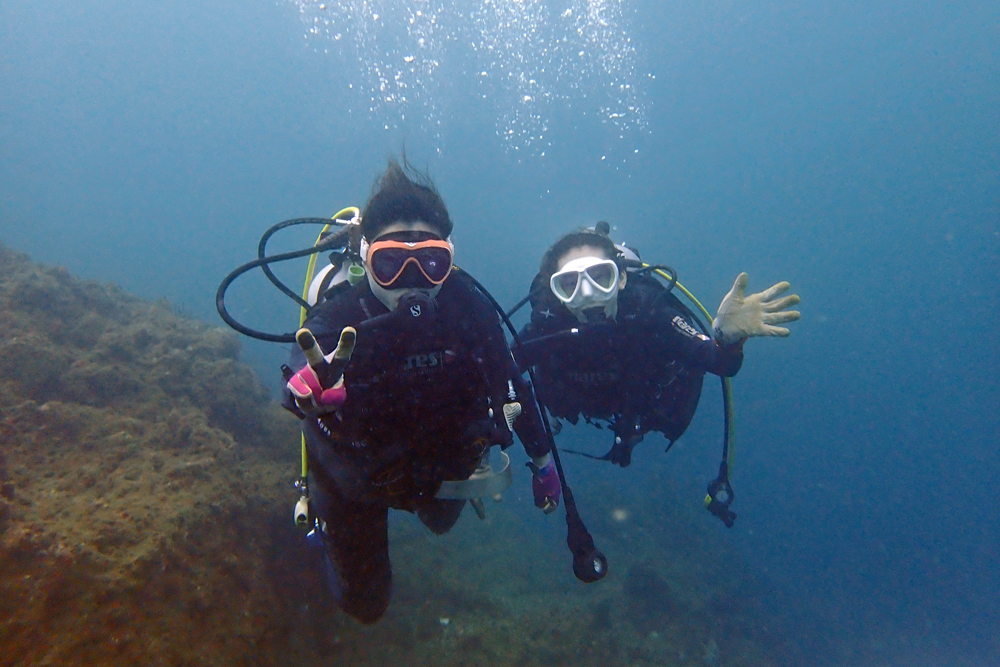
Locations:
416 391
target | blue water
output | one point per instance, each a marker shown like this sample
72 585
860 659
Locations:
850 148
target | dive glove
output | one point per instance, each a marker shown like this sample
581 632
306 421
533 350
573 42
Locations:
741 317
545 484
318 387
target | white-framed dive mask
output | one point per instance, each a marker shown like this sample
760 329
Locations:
587 283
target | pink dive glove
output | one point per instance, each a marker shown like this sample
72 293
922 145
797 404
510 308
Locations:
310 396
545 486
307 386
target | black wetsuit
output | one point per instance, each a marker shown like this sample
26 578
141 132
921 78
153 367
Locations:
642 371
419 391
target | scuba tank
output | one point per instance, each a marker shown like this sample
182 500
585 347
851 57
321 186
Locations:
342 268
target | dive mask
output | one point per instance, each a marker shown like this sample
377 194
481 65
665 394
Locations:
388 260
587 283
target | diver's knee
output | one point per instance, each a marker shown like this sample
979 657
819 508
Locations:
367 601
366 612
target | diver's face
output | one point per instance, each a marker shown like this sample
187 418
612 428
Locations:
590 304
391 297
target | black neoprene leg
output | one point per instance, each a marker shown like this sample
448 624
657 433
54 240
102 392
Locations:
357 541
440 515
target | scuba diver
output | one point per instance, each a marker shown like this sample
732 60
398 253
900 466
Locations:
419 385
609 342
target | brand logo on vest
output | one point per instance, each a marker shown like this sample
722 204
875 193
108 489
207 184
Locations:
429 360
595 378
684 327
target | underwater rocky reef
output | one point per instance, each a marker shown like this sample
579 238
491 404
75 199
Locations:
139 471
145 518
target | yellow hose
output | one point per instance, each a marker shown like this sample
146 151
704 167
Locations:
349 213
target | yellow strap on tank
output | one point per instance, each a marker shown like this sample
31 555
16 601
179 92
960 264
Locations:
349 213
727 387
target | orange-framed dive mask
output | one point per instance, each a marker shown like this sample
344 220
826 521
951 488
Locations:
387 260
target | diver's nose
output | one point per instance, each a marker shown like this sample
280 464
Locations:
585 288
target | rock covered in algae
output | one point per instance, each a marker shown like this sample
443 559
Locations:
140 464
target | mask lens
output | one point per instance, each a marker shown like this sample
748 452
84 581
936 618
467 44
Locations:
564 284
387 263
436 263
603 275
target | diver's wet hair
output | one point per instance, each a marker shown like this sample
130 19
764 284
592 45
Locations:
597 237
403 194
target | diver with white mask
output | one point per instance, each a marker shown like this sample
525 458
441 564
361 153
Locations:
611 344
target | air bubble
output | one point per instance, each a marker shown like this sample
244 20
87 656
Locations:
584 62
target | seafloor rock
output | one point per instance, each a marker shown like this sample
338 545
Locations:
139 464
145 518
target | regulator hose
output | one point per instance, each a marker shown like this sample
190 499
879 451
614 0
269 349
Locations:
332 241
589 564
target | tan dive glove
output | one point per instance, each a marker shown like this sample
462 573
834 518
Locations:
742 317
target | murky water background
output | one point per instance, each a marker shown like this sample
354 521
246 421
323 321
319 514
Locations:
851 149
